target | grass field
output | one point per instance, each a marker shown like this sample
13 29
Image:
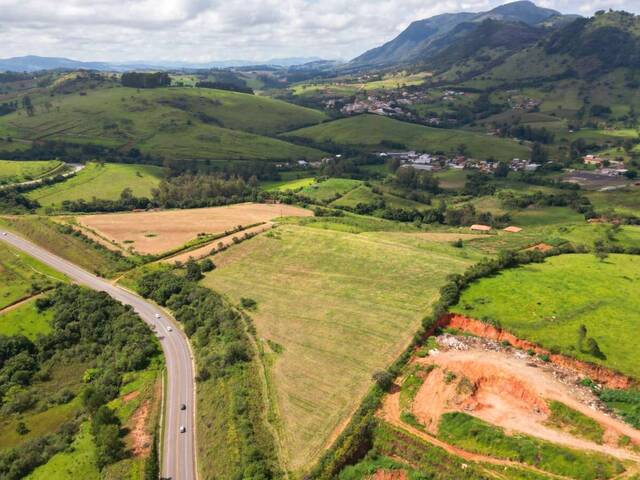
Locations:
25 320
338 307
78 462
285 185
101 181
13 171
22 275
175 122
330 189
561 294
368 131
49 235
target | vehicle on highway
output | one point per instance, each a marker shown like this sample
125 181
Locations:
157 315
183 407
4 234
170 329
182 429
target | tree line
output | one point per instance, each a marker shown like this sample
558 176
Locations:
145 80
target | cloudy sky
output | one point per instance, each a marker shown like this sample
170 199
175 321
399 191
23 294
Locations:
206 30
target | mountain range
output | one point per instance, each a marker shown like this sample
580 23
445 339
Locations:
32 63
426 38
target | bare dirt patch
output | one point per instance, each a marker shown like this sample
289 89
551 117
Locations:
540 247
160 231
130 396
510 389
140 438
597 373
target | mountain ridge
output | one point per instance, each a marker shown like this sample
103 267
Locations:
427 37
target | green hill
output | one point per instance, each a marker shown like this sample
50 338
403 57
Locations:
174 122
104 182
370 131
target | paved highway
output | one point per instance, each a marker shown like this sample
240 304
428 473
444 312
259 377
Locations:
178 459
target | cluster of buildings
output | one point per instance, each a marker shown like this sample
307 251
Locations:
605 166
432 163
426 161
519 102
374 105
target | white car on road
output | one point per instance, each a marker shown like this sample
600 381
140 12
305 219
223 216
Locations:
170 329
157 315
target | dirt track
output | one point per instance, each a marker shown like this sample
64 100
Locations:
225 241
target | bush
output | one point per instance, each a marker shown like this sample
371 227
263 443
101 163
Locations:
383 379
207 265
248 303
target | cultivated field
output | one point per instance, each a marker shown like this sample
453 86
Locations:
333 308
158 232
368 131
13 171
547 303
101 181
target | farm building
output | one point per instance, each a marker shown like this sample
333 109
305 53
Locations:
512 229
481 228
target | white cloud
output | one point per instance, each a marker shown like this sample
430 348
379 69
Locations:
204 30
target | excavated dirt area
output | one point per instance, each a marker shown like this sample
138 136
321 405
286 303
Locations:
511 389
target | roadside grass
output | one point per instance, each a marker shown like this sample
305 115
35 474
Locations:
576 423
101 181
49 235
341 306
14 171
330 189
547 303
175 122
23 275
477 436
26 320
369 131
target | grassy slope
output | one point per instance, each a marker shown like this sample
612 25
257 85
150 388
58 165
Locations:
329 189
18 272
558 296
104 182
176 122
15 171
78 462
369 130
341 305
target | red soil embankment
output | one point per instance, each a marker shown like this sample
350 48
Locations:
597 373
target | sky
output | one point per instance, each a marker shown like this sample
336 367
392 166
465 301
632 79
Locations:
209 30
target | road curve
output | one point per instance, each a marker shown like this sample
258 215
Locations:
178 459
